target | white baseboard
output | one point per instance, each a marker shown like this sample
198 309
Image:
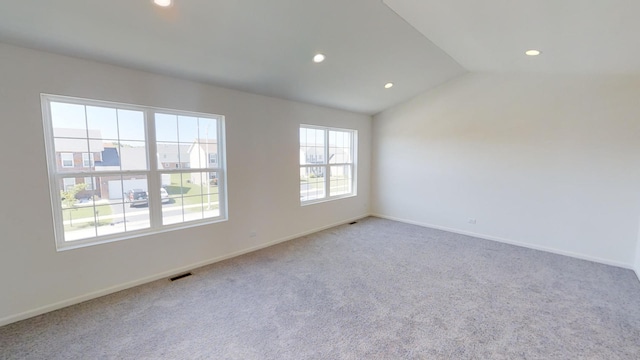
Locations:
76 300
514 242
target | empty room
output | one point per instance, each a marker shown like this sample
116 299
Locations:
362 179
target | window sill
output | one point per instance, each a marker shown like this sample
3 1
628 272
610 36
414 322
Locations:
77 244
323 200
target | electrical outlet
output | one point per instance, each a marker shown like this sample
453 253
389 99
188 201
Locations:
472 221
253 234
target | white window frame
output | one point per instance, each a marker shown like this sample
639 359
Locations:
90 183
326 164
62 159
87 160
153 172
67 184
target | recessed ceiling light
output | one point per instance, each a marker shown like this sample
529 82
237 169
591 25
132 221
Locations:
318 58
388 85
163 3
533 52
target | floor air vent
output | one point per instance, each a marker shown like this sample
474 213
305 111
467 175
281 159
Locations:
180 276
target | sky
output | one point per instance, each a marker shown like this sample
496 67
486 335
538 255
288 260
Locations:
127 126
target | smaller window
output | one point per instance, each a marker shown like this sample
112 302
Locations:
327 163
88 182
87 160
68 183
67 160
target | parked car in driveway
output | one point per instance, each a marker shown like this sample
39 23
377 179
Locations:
139 197
164 196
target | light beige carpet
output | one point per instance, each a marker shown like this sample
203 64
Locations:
374 290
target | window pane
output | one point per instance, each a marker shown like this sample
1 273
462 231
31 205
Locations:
135 190
312 146
68 116
110 207
114 216
69 153
166 127
172 214
339 147
187 129
203 155
192 196
133 155
213 183
136 217
169 156
78 208
104 121
341 180
210 195
312 183
79 222
208 130
193 207
189 155
106 155
131 125
105 222
213 158
179 185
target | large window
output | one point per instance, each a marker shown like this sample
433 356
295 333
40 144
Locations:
139 170
327 163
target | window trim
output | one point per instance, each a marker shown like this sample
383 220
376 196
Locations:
62 160
91 184
153 172
326 165
66 187
89 158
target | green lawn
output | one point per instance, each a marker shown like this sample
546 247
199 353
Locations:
186 193
81 211
318 183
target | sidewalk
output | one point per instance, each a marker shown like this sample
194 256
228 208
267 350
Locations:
122 215
122 226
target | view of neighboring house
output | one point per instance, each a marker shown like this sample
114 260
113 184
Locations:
125 158
73 155
173 156
203 154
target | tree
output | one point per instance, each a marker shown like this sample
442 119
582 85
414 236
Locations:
69 199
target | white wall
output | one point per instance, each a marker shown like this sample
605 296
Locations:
637 262
262 156
546 161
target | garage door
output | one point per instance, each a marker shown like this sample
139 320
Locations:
116 189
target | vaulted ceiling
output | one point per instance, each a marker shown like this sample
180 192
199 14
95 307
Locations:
266 47
575 36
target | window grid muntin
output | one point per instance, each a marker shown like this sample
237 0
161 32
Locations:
55 175
326 163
